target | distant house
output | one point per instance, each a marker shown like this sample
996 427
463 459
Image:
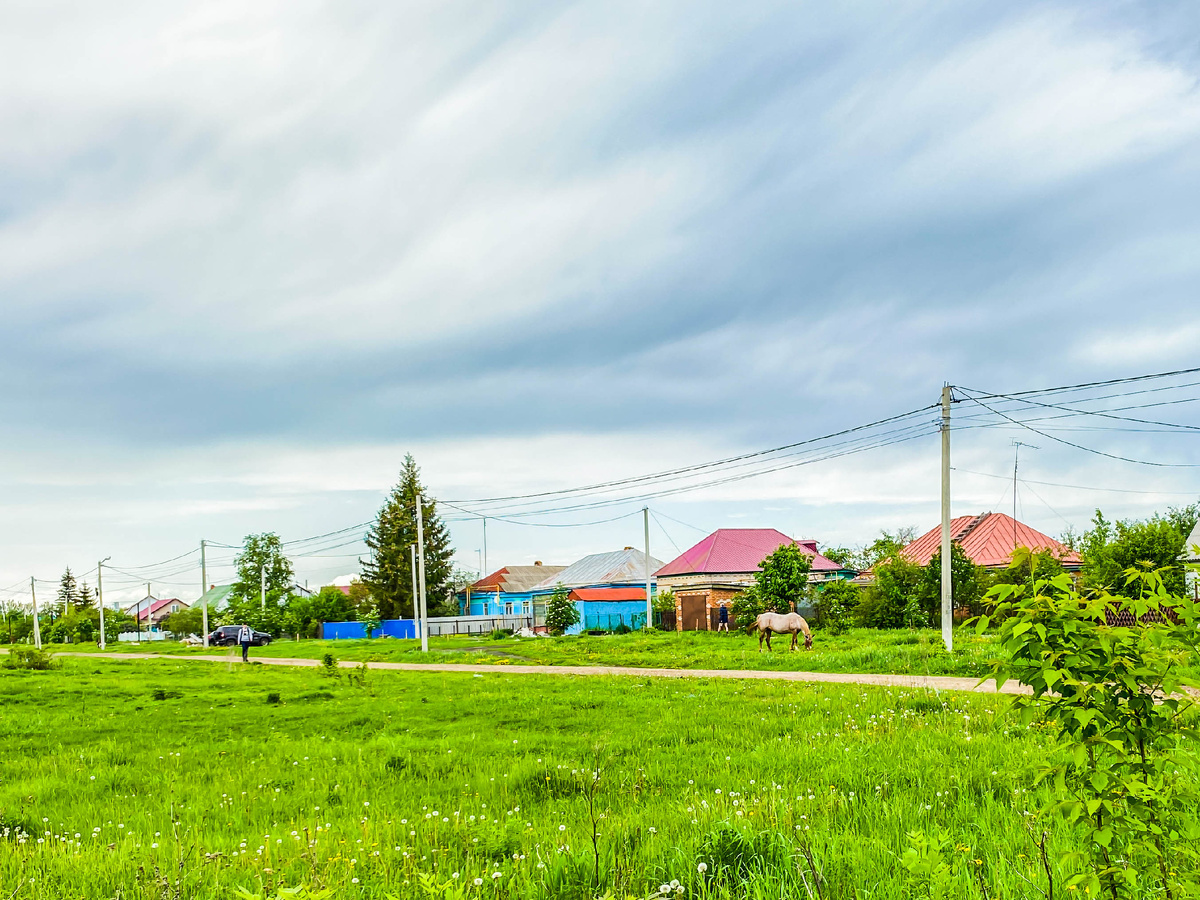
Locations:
216 598
609 589
156 609
989 540
714 571
1191 558
505 592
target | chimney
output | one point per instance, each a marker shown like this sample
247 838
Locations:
537 562
628 548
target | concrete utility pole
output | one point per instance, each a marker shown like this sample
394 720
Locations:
100 597
649 602
485 571
203 591
947 568
37 628
262 577
421 573
413 571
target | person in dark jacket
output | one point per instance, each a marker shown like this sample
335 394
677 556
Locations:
723 618
245 636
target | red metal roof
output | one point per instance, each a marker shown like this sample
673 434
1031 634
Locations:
621 593
157 606
739 551
988 540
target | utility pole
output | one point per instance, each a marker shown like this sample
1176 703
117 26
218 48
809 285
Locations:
484 547
947 568
149 610
262 577
203 591
412 548
37 628
1016 456
421 573
649 602
100 597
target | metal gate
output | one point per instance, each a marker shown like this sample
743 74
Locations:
693 615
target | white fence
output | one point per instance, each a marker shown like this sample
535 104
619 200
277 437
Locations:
477 624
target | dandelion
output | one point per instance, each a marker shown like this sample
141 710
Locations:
478 882
702 868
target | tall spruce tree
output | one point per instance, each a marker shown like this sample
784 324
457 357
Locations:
87 597
388 572
68 593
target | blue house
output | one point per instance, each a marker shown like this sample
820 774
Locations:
506 592
609 589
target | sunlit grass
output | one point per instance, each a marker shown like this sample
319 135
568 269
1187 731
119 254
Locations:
364 785
907 652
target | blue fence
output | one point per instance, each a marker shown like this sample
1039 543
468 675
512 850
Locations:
397 628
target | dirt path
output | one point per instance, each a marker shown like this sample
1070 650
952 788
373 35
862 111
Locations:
934 682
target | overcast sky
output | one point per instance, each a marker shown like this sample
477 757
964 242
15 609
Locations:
251 254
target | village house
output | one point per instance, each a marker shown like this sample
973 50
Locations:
609 589
505 592
1191 559
713 572
989 540
157 609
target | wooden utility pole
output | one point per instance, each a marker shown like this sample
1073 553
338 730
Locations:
947 568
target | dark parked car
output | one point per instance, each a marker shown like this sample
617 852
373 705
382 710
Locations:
227 635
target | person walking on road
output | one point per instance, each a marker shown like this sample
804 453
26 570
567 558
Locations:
723 618
245 636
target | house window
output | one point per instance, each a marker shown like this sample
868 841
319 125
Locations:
508 608
174 607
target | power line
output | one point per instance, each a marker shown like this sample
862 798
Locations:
1140 462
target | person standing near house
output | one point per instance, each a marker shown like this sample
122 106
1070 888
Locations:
245 636
723 618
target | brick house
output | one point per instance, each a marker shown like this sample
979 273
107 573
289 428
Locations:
713 572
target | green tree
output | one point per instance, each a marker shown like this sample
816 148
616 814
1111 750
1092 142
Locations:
87 597
185 622
843 556
897 587
561 611
67 597
1028 566
835 602
388 572
1109 549
782 579
1125 772
884 547
262 553
967 585
303 614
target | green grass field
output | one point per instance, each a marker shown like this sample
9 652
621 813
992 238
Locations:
908 652
164 779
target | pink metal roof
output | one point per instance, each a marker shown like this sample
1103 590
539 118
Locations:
740 551
157 606
988 540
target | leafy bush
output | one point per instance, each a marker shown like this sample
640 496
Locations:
29 658
499 634
834 603
1124 773
664 600
561 611
274 699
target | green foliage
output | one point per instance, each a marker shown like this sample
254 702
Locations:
1125 772
388 572
1110 548
782 579
369 616
967 580
262 553
747 606
1026 567
302 614
561 611
835 603
16 623
898 584
249 611
29 658
74 627
664 600
67 597
185 622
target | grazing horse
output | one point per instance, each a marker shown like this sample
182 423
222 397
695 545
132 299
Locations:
791 623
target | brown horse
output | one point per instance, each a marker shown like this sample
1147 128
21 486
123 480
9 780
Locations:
790 623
